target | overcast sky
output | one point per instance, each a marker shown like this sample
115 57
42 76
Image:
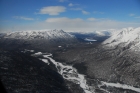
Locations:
69 15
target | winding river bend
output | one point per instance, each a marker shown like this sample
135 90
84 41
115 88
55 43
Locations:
70 73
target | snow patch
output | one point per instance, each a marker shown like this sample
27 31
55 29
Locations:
38 53
46 61
26 50
118 85
90 40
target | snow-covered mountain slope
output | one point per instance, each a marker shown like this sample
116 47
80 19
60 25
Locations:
127 37
52 34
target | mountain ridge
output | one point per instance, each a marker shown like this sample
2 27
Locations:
127 37
40 34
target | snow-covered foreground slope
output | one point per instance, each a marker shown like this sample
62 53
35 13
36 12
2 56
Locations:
127 37
52 34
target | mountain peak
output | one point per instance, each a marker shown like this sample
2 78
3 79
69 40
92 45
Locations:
126 31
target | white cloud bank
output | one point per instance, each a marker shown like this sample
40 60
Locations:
22 17
64 20
91 19
52 10
89 24
75 24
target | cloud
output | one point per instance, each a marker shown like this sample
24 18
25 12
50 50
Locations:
134 16
137 17
63 20
85 12
131 14
52 10
63 0
89 24
22 17
91 19
80 9
76 9
70 4
73 24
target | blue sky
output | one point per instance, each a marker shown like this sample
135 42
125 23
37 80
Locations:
69 15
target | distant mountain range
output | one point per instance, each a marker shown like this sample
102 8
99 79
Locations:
52 34
126 37
57 36
36 39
